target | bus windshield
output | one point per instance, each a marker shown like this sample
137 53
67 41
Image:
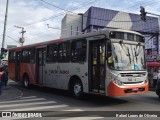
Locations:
124 56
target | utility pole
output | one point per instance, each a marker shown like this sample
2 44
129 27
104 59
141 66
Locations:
5 24
4 30
21 39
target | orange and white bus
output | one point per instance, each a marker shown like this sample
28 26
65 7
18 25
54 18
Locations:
109 62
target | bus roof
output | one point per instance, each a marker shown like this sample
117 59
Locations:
105 31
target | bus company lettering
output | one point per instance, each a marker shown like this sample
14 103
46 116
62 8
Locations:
59 71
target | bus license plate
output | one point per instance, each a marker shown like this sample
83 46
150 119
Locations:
135 89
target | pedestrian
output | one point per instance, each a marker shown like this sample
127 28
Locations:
155 77
1 79
158 79
5 67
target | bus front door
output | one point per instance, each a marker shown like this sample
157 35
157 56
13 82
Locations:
40 65
97 66
17 66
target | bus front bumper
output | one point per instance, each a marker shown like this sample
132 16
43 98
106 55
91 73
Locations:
115 90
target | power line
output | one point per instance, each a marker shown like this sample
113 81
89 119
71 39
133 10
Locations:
64 29
120 21
56 6
51 17
12 39
43 5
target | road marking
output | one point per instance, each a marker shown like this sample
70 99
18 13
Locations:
28 97
14 101
73 110
26 104
82 118
37 108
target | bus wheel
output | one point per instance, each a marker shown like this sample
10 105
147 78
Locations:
77 89
26 81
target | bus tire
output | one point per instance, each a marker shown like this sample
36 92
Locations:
77 89
26 81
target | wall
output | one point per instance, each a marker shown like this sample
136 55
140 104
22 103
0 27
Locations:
71 25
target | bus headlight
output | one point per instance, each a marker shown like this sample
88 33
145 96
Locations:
118 82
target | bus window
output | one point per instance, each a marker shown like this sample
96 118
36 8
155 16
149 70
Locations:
118 35
78 50
102 54
64 52
28 55
130 36
140 38
109 56
25 56
12 56
32 55
52 53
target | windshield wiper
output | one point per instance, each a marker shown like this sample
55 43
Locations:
116 58
125 49
137 53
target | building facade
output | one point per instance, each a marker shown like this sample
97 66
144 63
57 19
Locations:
71 25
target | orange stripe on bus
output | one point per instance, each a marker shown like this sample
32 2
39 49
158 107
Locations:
115 90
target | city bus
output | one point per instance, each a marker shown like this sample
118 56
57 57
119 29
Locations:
108 62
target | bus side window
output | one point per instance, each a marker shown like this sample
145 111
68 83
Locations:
32 55
12 56
64 52
25 56
52 53
78 50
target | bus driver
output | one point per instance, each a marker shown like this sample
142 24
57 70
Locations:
110 59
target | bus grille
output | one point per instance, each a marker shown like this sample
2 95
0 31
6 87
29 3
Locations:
133 82
133 74
131 91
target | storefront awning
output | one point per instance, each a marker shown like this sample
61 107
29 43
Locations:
153 64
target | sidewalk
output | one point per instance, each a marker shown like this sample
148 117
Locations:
9 92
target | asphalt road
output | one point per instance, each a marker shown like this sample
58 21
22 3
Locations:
57 104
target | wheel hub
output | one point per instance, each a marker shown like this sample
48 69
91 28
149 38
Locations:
77 89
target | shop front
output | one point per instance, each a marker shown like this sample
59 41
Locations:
152 67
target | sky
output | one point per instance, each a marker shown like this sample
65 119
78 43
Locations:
34 15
